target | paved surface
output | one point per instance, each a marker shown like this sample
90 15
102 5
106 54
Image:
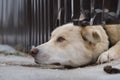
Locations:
11 69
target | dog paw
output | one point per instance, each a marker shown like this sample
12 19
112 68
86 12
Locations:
105 57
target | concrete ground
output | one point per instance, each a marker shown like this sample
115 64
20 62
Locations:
13 68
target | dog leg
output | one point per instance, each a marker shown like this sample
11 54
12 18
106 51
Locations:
110 54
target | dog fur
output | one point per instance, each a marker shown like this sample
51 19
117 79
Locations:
75 46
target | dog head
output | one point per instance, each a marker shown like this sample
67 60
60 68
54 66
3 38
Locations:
72 45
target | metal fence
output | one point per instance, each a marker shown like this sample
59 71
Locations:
24 23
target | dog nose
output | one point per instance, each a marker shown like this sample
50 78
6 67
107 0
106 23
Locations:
34 51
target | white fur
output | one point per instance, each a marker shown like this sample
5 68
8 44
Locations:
74 51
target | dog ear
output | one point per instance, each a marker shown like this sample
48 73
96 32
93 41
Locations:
90 35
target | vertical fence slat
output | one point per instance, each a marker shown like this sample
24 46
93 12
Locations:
76 9
48 19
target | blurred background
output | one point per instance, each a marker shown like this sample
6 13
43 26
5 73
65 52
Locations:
24 23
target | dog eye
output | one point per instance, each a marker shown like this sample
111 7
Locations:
60 39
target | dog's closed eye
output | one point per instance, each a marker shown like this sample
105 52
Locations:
60 39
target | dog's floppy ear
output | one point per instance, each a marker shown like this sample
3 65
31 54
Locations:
90 35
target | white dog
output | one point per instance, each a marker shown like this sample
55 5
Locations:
75 46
